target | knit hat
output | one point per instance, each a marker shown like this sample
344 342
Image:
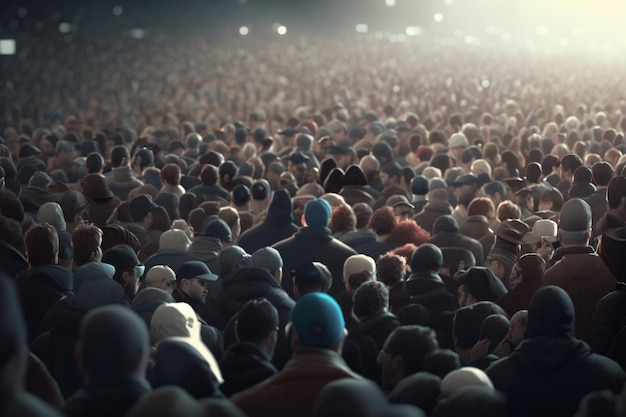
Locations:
419 185
260 189
308 274
40 180
445 223
217 228
195 269
458 140
256 319
358 263
575 220
481 283
174 240
317 213
533 267
241 194
52 214
72 203
266 258
550 313
140 206
398 200
318 320
427 257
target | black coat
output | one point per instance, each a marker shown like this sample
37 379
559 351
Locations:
265 234
424 288
314 245
243 365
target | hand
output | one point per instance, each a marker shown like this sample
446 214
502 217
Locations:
479 350
545 250
503 348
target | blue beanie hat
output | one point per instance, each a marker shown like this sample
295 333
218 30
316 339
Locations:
317 213
317 320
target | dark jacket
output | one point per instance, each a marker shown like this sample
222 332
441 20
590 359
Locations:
356 238
121 180
550 372
597 202
168 257
314 244
518 298
608 318
277 225
101 398
44 286
356 194
210 193
425 288
431 212
12 261
457 239
243 365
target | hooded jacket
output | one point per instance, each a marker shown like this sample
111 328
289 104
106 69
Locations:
244 365
550 372
278 225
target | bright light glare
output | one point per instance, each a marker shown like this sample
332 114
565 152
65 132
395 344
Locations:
484 83
438 17
390 3
137 33
65 27
414 31
543 30
118 10
281 30
243 31
448 2
361 28
7 46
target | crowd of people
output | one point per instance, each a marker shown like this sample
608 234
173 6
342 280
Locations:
255 228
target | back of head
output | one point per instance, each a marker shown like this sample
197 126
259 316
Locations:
463 377
445 223
317 213
119 154
481 283
318 321
370 298
114 343
616 191
349 398
421 389
427 257
469 319
602 173
311 277
412 343
575 222
256 319
550 313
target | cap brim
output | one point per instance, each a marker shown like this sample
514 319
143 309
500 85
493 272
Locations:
207 277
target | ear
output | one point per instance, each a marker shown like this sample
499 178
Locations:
461 265
125 278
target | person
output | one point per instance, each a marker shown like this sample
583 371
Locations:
113 355
173 247
403 353
478 283
248 361
170 176
216 235
162 277
128 268
315 243
210 190
317 335
310 277
446 234
86 244
465 188
102 202
578 268
550 372
525 279
192 278
121 179
16 401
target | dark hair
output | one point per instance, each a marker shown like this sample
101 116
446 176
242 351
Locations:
370 298
86 239
186 203
11 232
209 174
553 195
118 154
363 213
256 319
412 343
356 280
42 244
94 162
441 362
170 174
390 269
615 191
482 206
160 219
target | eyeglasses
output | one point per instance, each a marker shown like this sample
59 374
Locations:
171 284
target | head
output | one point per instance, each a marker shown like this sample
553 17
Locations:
174 320
192 279
113 343
390 269
357 264
171 174
575 223
403 353
86 243
550 314
518 326
128 268
269 260
317 213
530 267
317 321
42 245
311 277
161 276
478 284
371 298
257 323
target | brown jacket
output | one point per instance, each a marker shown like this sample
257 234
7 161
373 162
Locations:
586 278
293 391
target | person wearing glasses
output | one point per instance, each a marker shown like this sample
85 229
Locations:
161 276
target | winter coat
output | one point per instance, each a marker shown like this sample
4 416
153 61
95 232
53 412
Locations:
459 240
425 288
168 257
608 318
244 365
121 180
586 278
103 398
518 298
431 212
314 244
210 193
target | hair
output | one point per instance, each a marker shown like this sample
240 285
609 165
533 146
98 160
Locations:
229 215
372 297
118 154
615 191
390 269
209 174
196 220
170 174
250 330
342 219
11 232
554 196
363 213
382 221
160 219
192 141
186 203
354 281
412 343
94 162
86 239
482 206
42 244
441 362
508 210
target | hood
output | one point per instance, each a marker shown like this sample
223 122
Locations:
550 314
58 276
280 211
354 176
205 248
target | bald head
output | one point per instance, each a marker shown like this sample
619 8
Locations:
161 276
369 164
518 327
